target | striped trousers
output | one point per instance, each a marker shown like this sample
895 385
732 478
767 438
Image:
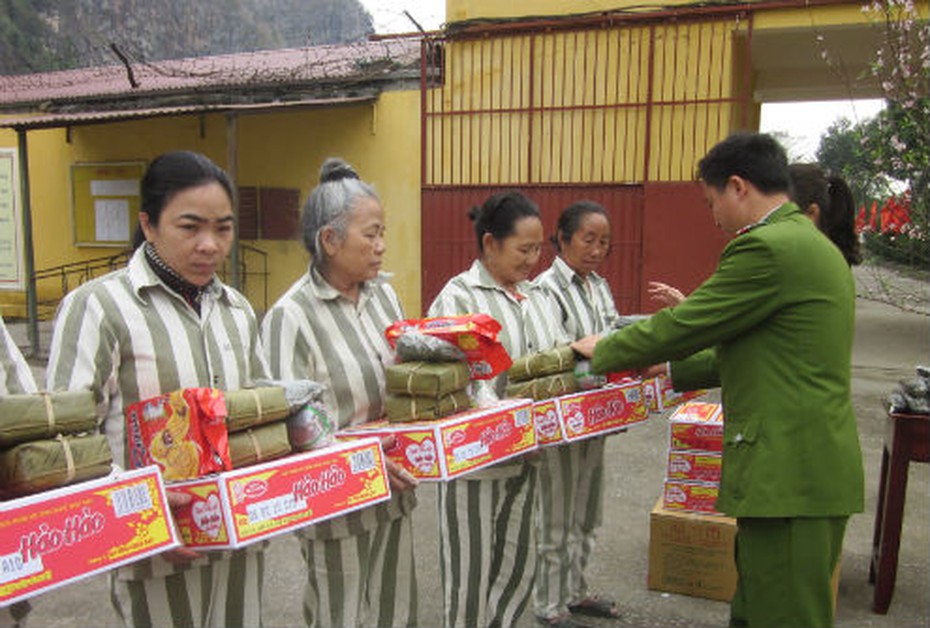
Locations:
225 592
486 535
570 508
368 579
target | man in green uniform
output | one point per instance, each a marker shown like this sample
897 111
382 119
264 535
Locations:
778 314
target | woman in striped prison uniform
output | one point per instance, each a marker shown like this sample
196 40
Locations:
486 523
163 323
15 379
329 327
571 477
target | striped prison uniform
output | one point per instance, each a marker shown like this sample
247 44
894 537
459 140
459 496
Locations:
486 521
15 379
360 569
128 337
571 476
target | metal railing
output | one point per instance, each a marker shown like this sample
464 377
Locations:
69 276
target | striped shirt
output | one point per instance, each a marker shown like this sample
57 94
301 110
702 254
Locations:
586 305
314 332
527 325
127 337
15 374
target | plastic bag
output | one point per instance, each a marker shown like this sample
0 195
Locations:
413 346
309 426
474 334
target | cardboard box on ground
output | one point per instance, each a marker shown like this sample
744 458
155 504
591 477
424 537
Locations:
693 554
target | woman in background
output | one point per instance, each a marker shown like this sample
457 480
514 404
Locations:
571 477
486 526
163 323
329 327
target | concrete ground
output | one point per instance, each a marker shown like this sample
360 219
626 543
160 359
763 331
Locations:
889 343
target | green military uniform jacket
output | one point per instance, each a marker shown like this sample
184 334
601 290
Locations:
780 312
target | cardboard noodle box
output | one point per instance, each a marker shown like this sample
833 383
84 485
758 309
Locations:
697 425
66 534
595 412
449 448
700 466
692 553
661 396
691 496
236 508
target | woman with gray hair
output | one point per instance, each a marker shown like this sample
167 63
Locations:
329 327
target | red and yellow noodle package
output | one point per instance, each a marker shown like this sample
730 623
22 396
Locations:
183 432
474 334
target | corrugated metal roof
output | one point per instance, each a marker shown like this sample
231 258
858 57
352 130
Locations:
363 61
46 121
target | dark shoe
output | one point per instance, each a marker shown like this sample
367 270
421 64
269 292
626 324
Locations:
596 606
565 621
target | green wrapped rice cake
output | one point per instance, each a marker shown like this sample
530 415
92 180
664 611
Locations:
541 363
401 408
426 379
255 406
43 415
41 465
544 387
259 444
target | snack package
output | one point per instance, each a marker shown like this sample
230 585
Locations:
183 432
474 334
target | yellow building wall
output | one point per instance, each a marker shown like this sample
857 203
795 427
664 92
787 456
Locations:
619 104
382 140
462 10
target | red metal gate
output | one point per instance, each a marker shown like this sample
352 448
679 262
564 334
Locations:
450 240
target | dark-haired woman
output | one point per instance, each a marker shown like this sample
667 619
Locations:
329 327
571 477
486 528
162 323
828 201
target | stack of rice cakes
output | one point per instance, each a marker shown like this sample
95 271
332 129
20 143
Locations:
49 440
543 375
424 390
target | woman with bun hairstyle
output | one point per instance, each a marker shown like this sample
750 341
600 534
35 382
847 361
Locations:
162 323
571 476
329 327
486 523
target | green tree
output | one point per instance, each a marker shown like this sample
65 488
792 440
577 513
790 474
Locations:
902 66
26 39
43 35
847 149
